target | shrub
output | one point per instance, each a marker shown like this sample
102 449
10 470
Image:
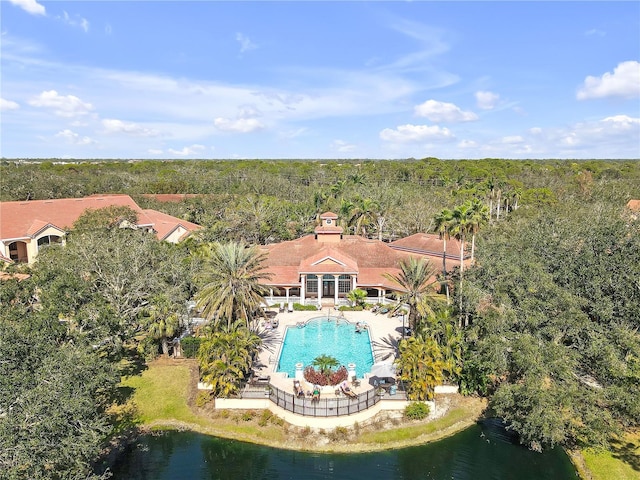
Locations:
264 419
298 307
340 433
248 416
417 411
311 375
190 346
203 397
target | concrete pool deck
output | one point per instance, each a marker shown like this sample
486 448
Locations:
381 327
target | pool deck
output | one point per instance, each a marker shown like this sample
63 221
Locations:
381 328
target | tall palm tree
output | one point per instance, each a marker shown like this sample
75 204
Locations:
345 213
444 224
363 214
420 365
234 292
417 289
478 218
163 321
460 228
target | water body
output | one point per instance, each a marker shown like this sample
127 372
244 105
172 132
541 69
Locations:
482 452
326 336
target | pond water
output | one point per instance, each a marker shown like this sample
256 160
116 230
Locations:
332 336
483 452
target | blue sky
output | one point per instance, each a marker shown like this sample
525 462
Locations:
212 79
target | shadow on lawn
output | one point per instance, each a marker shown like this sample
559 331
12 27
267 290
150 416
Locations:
626 452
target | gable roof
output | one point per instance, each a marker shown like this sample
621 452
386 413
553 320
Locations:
26 219
428 244
369 259
165 225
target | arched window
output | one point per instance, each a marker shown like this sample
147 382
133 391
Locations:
49 240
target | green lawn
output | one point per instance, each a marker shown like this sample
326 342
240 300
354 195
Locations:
160 396
622 463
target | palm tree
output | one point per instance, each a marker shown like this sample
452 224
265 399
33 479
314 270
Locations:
460 227
357 297
234 292
325 363
444 223
416 281
364 213
448 336
163 321
226 357
421 366
345 213
478 217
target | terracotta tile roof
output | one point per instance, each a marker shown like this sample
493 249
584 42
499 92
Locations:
329 260
23 219
369 259
172 197
328 215
26 219
165 224
634 205
428 244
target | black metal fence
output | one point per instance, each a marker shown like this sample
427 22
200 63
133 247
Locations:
328 405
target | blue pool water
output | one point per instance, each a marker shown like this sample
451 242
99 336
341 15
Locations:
335 337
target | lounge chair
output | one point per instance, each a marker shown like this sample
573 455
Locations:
316 394
355 382
348 392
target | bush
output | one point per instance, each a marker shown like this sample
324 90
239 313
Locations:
311 375
298 307
417 411
190 346
203 397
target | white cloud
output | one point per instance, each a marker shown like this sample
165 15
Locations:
487 100
512 139
342 146
74 138
63 106
30 6
623 82
245 43
596 32
6 105
443 112
468 144
154 151
416 133
78 21
186 151
239 125
621 122
112 125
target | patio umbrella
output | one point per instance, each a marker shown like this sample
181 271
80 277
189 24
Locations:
383 370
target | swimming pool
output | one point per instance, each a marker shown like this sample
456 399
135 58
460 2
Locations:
332 336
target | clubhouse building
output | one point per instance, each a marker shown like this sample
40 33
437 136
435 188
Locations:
322 268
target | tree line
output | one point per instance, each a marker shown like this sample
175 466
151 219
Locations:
545 323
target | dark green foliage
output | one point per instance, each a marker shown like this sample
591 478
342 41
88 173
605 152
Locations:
555 310
190 346
417 411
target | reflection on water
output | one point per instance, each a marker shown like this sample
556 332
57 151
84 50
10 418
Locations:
482 452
